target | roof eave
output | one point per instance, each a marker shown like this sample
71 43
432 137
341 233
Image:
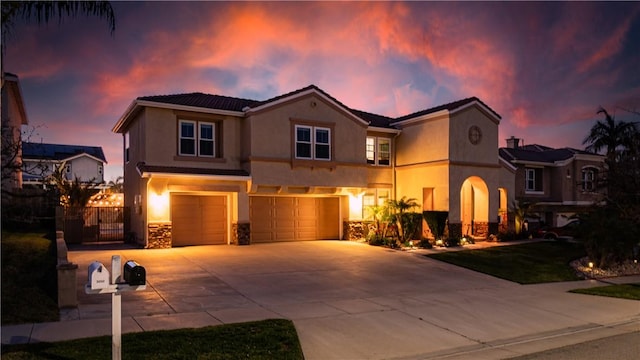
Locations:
424 117
384 130
250 110
139 104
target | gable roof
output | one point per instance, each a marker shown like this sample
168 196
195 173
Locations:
540 154
59 152
451 107
240 106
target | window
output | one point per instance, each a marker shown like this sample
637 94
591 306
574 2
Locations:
533 179
126 147
206 147
196 138
589 179
313 143
187 138
371 150
378 151
100 169
371 198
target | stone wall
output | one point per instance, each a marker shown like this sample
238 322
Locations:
159 235
241 233
355 230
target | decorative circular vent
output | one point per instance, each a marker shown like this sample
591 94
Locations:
475 135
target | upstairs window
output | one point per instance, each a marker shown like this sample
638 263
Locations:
312 142
588 179
196 138
378 151
187 138
126 147
533 180
206 146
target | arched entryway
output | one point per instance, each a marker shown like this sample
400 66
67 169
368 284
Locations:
474 207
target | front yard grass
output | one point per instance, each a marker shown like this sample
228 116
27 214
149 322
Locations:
531 263
29 278
623 291
268 339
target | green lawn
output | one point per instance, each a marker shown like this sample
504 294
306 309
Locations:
531 263
268 339
625 291
29 278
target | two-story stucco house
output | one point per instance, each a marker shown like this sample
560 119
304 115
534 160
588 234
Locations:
40 160
209 169
560 182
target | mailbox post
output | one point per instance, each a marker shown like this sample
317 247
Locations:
99 282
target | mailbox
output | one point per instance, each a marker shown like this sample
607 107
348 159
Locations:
98 276
134 274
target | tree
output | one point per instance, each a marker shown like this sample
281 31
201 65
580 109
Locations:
610 230
116 186
403 220
521 210
72 193
611 135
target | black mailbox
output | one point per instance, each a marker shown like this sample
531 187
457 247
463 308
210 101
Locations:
134 274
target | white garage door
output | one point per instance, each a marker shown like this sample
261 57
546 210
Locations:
276 218
198 220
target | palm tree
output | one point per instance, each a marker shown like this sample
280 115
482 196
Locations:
72 193
610 135
400 208
521 210
116 186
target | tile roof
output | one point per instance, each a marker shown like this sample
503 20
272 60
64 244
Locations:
198 99
142 167
59 152
539 153
450 107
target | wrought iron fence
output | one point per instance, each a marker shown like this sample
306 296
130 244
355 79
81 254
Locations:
95 224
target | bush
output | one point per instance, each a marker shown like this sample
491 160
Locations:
609 238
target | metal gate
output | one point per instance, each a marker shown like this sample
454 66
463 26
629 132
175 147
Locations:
95 224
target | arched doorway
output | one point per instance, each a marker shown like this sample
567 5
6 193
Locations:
474 207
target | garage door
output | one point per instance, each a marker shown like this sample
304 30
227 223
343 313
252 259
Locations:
293 218
198 220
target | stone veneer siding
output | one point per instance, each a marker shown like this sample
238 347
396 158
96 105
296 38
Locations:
241 233
355 230
159 235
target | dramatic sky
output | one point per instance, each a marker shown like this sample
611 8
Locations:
544 67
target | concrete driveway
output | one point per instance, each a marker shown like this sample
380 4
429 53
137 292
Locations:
348 300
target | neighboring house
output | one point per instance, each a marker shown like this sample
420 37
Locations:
86 163
560 182
14 115
208 169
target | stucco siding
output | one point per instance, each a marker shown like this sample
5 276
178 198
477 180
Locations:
424 141
348 135
161 145
461 148
281 174
412 180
